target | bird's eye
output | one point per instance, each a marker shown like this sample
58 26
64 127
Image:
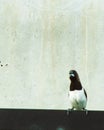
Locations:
70 73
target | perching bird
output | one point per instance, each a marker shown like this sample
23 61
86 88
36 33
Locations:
77 94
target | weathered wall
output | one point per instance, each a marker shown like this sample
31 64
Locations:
40 41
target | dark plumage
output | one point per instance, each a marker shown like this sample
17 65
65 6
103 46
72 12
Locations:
77 94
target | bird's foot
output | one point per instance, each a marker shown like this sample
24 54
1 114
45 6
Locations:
69 110
86 111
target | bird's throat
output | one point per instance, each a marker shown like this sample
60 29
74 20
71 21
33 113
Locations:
75 86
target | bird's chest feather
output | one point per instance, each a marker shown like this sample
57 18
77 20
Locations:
77 98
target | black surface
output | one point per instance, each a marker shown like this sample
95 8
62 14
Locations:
22 119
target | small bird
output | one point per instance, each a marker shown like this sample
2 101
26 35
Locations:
77 94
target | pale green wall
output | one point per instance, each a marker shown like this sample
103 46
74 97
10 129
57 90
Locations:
41 40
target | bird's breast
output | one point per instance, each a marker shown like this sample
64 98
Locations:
78 98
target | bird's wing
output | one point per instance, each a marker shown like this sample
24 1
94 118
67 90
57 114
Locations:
85 93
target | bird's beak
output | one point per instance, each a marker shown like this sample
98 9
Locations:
72 75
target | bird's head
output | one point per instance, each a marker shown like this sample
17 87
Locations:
73 75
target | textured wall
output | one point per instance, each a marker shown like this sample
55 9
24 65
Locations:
40 41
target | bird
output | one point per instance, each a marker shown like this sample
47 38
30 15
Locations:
77 94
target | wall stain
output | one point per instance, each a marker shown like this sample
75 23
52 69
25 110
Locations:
2 65
48 41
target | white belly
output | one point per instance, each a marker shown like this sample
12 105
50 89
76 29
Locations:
78 99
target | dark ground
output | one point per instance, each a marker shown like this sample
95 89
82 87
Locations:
23 119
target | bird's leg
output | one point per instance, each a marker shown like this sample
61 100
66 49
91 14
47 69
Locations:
85 111
69 110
